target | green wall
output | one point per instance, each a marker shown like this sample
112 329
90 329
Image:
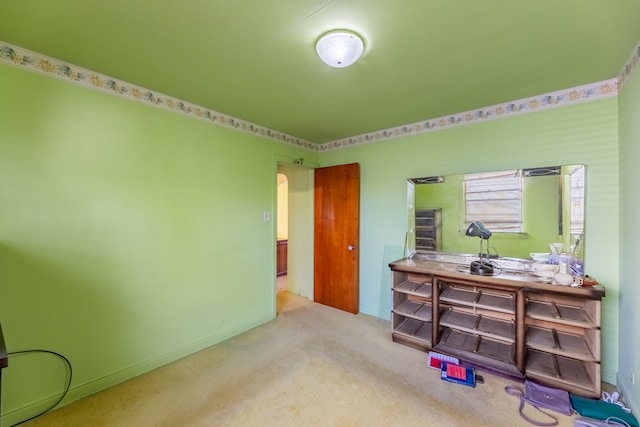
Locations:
629 104
582 133
129 236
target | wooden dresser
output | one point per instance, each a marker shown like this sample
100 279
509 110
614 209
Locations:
510 323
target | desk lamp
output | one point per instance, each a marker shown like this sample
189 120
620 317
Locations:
477 229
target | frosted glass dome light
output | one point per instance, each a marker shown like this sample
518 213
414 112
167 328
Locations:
339 48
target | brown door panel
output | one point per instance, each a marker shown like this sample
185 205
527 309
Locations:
336 236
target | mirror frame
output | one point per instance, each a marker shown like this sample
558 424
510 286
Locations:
564 212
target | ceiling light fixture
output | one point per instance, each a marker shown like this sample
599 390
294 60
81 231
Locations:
339 48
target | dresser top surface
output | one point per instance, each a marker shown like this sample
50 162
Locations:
506 278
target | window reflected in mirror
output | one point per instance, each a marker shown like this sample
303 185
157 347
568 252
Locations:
495 199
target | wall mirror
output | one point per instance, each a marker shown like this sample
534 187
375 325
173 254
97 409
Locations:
525 209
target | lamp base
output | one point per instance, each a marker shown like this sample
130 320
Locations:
480 268
490 256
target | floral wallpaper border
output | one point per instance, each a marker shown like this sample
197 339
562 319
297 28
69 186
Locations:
54 68
578 94
568 96
49 66
629 66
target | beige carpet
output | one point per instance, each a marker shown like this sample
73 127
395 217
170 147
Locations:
311 366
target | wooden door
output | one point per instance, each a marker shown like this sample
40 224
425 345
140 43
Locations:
336 236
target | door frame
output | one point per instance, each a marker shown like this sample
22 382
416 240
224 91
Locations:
300 245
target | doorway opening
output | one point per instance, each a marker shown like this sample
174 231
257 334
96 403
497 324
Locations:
293 233
282 233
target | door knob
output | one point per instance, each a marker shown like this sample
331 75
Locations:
351 247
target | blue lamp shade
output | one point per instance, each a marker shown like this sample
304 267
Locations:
477 229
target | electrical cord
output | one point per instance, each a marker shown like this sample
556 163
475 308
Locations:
489 254
64 393
497 270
